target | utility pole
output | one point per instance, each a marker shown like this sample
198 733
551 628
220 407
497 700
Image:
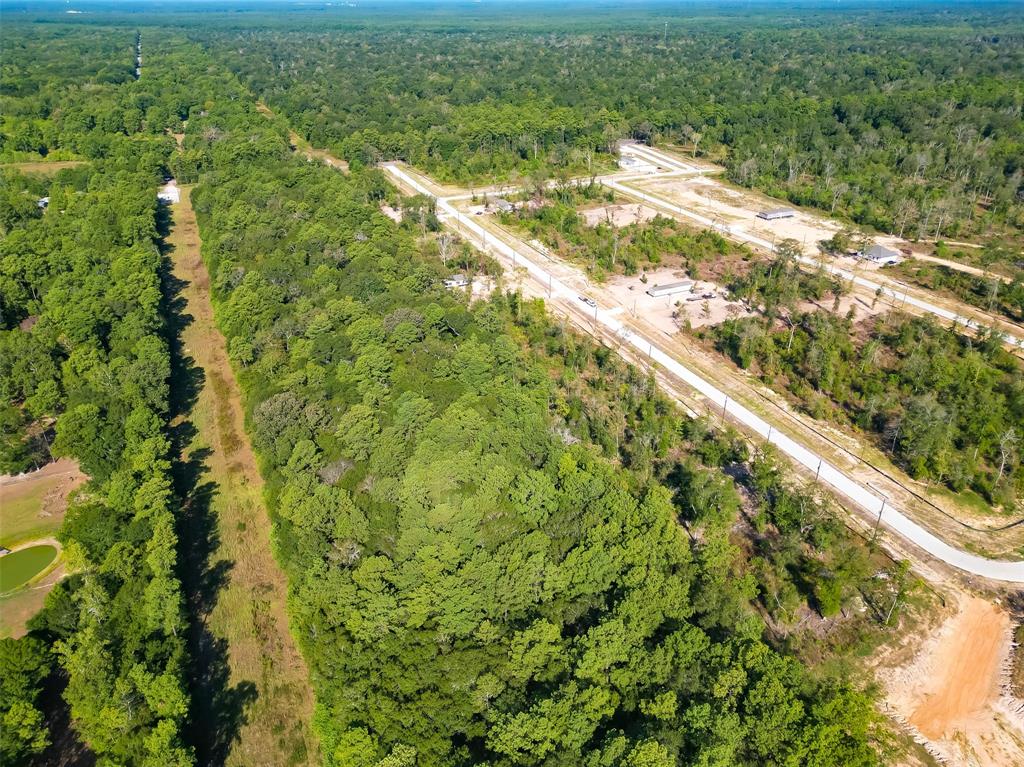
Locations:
878 521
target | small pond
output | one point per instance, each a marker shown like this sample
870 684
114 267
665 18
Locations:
21 566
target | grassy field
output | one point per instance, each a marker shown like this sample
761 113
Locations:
18 606
253 702
33 506
42 167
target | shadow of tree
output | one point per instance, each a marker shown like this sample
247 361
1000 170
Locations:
65 749
218 708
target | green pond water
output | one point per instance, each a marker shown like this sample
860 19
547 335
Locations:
22 565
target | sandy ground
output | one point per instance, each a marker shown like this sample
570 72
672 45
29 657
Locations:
618 215
630 292
739 208
59 468
55 481
394 215
953 694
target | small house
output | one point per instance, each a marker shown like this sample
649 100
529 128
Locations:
881 255
456 281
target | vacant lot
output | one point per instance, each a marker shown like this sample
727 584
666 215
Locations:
951 693
618 215
739 208
32 505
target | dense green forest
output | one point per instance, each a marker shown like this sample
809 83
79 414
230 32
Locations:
913 128
84 369
479 511
503 545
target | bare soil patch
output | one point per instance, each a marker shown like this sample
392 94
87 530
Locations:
954 694
619 215
631 293
33 504
739 208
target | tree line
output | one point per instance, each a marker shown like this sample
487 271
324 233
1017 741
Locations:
947 407
84 372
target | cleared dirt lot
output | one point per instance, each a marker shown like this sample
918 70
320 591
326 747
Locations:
630 293
739 208
952 692
33 505
618 215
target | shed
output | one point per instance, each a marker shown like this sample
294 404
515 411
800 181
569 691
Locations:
456 281
670 289
504 205
771 215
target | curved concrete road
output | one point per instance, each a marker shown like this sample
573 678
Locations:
890 516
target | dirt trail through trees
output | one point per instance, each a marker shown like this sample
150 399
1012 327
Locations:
252 699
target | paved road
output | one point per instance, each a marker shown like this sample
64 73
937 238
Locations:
896 294
890 516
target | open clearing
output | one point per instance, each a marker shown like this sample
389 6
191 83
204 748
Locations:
250 684
630 292
32 505
17 607
42 167
712 198
952 692
619 215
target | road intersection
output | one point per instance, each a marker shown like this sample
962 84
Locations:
563 289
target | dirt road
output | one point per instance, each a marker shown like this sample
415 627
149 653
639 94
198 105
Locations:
252 699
